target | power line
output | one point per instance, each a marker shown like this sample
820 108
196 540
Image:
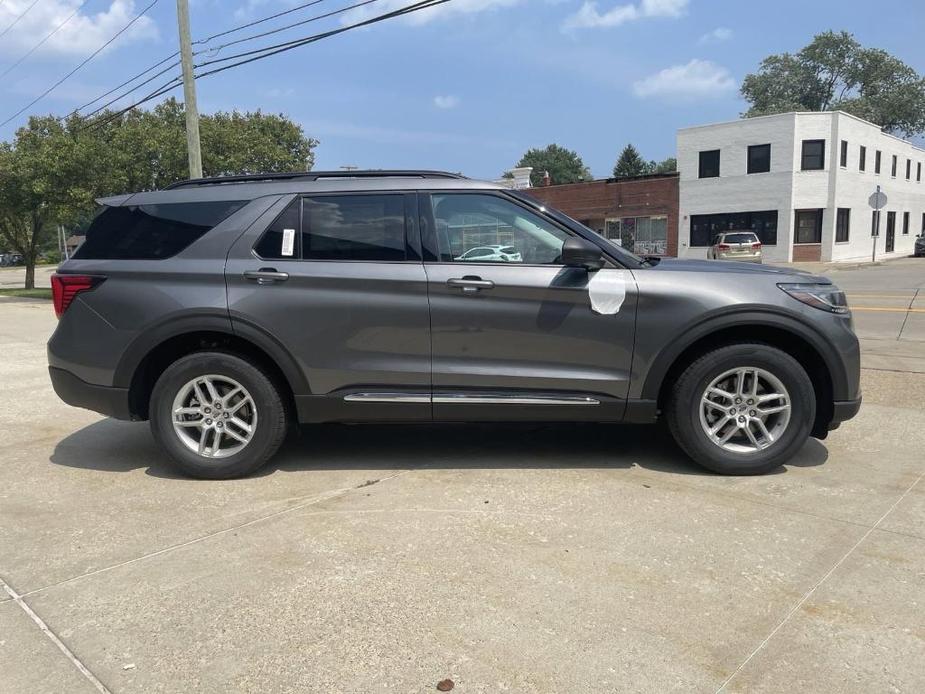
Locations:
269 50
42 42
258 21
16 21
252 37
82 63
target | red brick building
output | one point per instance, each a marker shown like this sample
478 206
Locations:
641 212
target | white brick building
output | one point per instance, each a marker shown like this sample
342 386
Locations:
801 181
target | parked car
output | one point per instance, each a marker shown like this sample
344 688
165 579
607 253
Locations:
919 248
227 311
742 246
494 253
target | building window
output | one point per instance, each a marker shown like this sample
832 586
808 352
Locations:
640 235
923 224
893 166
918 172
813 155
709 164
875 223
877 162
908 169
843 155
808 226
905 223
842 225
862 158
759 159
704 227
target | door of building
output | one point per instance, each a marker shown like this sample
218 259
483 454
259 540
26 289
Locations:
890 231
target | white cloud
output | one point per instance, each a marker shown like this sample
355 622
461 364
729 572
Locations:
589 17
447 9
698 78
448 101
718 35
83 33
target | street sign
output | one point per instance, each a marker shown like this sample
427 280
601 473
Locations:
878 200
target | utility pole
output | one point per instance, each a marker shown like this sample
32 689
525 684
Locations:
189 91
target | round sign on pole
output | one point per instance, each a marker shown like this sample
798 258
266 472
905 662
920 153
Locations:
878 200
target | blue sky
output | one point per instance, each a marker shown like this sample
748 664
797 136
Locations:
466 87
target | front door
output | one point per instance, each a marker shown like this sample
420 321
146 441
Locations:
337 281
514 332
890 231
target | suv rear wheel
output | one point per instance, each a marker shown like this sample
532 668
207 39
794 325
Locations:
743 409
217 415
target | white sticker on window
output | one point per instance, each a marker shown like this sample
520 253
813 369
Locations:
288 241
607 290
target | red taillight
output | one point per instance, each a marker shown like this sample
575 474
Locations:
724 247
65 287
757 245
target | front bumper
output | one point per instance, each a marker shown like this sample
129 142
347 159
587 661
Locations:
112 402
842 411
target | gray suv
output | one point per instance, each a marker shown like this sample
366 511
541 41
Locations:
227 311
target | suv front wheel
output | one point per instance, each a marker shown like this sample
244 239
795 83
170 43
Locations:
742 409
217 415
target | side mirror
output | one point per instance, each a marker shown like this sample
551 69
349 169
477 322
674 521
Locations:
577 252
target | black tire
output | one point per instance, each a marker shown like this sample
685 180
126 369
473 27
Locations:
683 411
268 433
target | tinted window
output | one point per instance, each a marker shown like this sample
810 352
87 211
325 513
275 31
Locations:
151 232
281 240
706 227
759 158
842 225
813 155
893 167
908 169
918 171
353 227
709 164
843 155
809 226
502 231
862 158
877 161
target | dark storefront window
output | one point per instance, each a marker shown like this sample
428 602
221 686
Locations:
709 164
808 226
813 155
759 159
704 227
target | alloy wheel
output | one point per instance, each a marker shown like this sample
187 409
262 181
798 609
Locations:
214 416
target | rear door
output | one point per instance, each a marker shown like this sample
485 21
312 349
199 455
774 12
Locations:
520 339
337 281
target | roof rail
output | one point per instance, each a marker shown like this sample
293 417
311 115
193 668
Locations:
313 176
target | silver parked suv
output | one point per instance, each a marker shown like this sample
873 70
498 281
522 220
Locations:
741 246
228 310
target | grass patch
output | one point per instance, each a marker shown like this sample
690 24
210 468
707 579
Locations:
38 293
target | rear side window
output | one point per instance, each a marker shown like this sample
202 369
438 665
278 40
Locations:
353 227
151 232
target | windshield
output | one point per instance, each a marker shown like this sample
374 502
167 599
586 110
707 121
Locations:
629 259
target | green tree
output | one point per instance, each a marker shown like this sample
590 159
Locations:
563 165
834 72
667 165
630 163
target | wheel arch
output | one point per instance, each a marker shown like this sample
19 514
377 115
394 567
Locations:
788 335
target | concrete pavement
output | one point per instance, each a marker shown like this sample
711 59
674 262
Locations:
508 558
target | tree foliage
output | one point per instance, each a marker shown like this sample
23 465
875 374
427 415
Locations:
54 169
834 72
563 165
630 163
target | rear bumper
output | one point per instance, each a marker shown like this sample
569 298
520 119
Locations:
112 402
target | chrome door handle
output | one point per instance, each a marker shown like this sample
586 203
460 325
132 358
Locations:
469 284
266 275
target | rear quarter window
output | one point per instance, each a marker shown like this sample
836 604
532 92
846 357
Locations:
152 232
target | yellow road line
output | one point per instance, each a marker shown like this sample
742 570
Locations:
905 297
885 308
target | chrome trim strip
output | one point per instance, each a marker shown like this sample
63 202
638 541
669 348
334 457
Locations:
388 397
466 399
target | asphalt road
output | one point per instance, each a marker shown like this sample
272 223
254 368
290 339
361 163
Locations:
507 558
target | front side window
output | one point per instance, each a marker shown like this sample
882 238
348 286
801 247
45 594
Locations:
759 159
709 164
152 232
842 225
813 158
476 228
354 227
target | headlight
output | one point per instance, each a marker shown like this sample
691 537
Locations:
826 297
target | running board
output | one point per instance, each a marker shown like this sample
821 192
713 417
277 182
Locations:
472 399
